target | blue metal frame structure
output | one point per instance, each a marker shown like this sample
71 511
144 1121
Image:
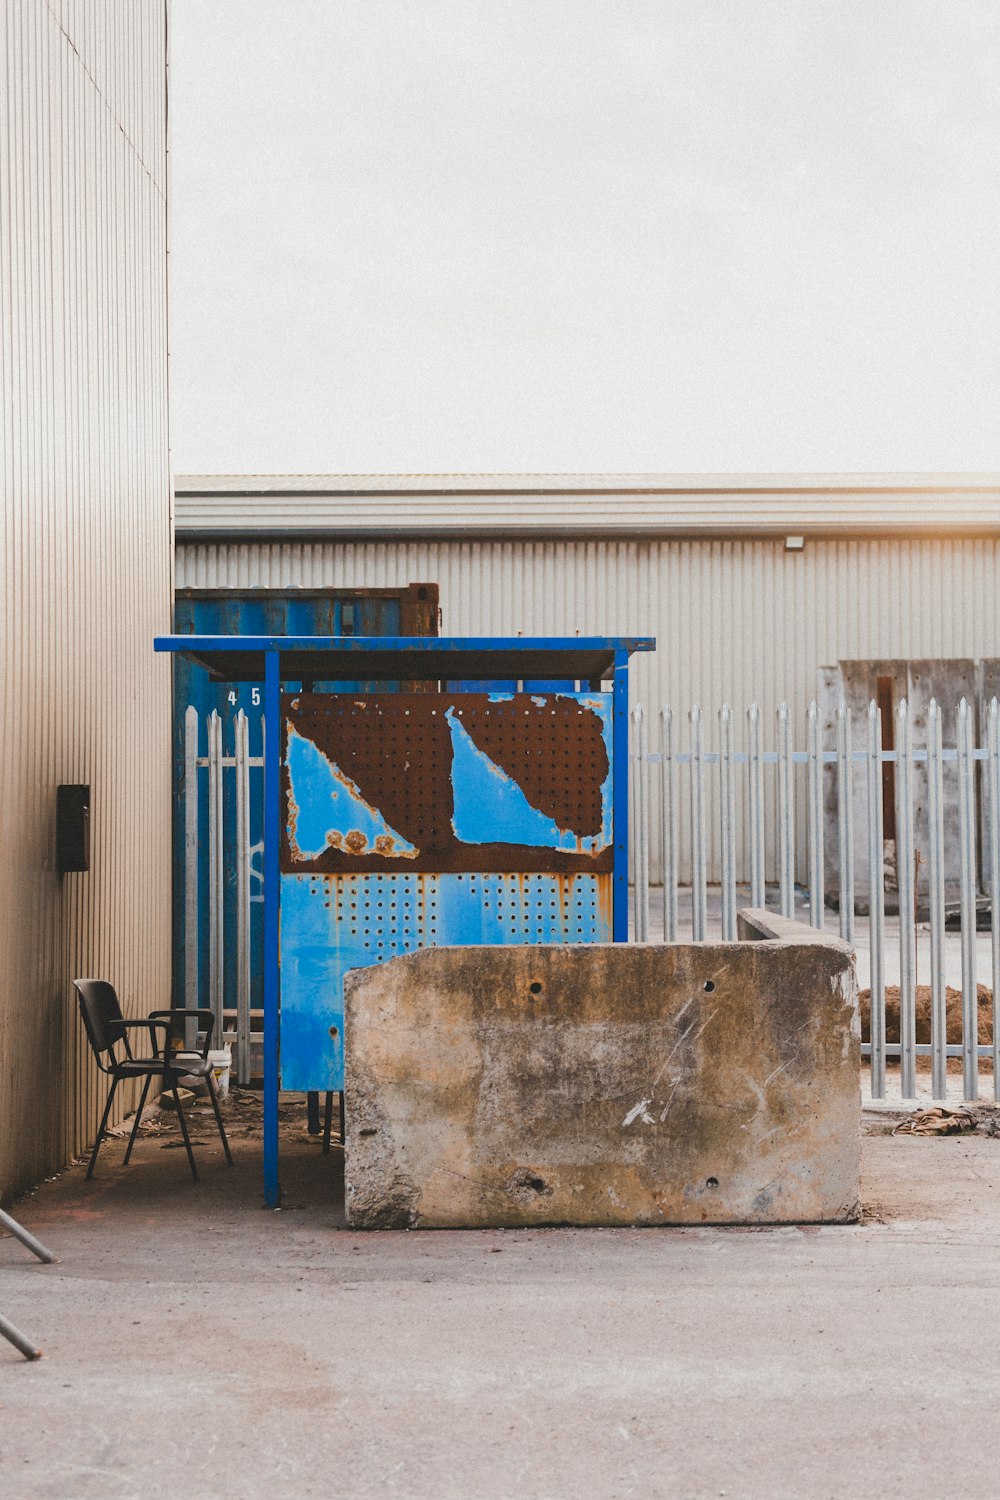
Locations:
620 795
274 659
512 645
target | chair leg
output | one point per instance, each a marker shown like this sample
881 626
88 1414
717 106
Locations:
343 1126
138 1117
312 1112
184 1130
327 1123
104 1125
213 1088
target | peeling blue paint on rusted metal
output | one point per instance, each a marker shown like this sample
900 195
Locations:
326 809
333 923
490 807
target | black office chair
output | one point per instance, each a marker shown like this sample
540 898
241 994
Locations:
107 1029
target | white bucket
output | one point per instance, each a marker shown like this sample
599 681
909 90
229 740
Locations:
221 1061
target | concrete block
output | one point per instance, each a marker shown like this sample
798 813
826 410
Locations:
687 1083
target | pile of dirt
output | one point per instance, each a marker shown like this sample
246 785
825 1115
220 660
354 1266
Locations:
953 1005
937 1121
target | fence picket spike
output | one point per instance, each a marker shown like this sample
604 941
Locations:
786 816
936 900
668 813
814 817
993 781
906 889
640 792
876 900
699 895
727 818
845 821
755 807
967 902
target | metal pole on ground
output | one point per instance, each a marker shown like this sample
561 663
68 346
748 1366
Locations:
12 1334
27 1240
17 1338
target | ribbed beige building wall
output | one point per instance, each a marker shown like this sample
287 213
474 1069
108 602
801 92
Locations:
86 537
735 621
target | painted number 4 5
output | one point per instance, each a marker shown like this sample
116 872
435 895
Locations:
254 697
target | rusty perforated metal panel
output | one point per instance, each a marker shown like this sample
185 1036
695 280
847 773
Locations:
469 781
452 818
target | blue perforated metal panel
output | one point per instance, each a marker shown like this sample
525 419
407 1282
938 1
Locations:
333 923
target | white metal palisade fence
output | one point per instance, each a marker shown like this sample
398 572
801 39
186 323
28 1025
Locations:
686 777
234 864
690 781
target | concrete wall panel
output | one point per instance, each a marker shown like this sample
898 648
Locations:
602 1084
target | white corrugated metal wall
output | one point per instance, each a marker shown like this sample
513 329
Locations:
86 566
735 621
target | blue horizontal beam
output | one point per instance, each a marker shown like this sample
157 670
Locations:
432 644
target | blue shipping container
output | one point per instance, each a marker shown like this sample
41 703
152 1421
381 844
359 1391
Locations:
412 610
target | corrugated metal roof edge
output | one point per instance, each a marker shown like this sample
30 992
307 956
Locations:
583 483
568 506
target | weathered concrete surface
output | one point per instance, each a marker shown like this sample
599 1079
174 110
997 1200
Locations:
272 1355
601 1085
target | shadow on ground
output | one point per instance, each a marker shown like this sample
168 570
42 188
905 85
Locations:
159 1178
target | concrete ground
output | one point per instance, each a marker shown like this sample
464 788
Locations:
198 1345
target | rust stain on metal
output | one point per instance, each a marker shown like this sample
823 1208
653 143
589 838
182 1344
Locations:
605 902
291 827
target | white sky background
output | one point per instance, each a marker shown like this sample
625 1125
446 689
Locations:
556 235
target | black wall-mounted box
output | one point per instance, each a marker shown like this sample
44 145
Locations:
72 828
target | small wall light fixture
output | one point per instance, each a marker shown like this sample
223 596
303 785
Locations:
794 543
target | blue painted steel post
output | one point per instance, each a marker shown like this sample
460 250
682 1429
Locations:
272 890
619 741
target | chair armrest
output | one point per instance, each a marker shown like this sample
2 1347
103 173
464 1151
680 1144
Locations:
148 1023
208 1023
